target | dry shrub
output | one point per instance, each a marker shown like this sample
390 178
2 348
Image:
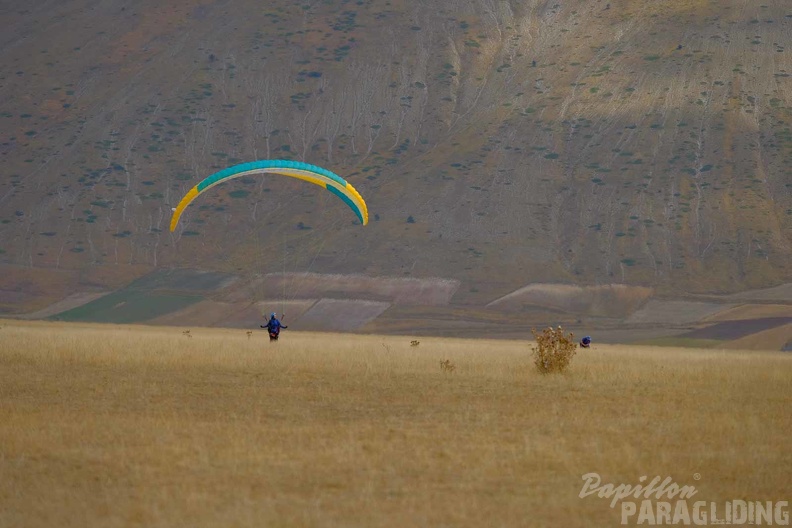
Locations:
447 367
553 350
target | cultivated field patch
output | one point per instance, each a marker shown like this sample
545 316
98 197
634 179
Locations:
675 312
737 329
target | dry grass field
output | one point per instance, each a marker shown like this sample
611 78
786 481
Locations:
140 426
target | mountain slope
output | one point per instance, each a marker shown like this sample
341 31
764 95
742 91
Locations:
496 143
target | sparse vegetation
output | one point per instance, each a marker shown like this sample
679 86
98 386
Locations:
553 351
116 423
447 366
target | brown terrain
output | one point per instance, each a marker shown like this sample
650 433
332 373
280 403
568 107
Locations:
621 167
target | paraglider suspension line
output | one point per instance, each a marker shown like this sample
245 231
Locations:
283 279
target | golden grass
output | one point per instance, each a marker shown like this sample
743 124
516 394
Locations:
121 426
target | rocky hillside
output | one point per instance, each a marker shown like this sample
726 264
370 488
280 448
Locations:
497 143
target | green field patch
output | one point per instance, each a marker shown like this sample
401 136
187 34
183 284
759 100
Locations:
182 280
128 306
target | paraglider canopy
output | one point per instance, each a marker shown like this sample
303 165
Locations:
294 169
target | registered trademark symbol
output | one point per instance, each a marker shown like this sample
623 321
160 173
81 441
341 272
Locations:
696 476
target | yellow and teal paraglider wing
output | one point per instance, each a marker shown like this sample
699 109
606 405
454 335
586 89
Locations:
295 169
